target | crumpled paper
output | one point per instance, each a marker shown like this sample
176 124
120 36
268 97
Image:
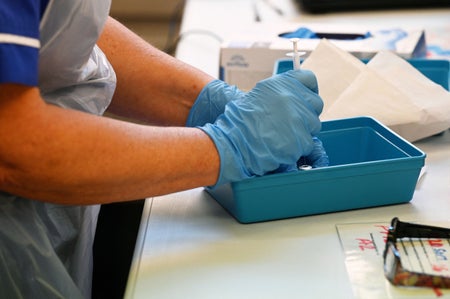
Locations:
387 88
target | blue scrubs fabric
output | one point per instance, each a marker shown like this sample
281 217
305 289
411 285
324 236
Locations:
46 249
19 41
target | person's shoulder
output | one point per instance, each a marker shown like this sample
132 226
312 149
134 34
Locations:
20 18
19 40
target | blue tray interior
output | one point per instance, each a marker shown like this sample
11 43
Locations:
358 145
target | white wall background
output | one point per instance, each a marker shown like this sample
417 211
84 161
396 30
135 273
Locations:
154 9
151 19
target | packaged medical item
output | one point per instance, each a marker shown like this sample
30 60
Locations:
249 57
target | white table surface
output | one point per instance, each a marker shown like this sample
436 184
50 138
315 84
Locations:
190 247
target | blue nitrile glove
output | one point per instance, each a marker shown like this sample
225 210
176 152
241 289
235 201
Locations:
268 128
318 156
211 102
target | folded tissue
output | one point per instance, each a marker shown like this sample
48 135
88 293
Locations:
387 88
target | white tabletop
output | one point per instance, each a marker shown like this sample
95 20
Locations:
190 247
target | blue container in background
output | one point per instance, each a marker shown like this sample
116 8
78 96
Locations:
436 70
370 166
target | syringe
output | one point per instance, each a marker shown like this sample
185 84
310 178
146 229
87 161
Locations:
301 163
295 53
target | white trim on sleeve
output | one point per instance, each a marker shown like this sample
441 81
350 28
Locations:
19 40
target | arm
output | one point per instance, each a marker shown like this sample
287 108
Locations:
64 156
152 86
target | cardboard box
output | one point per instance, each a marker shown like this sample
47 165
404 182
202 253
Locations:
250 56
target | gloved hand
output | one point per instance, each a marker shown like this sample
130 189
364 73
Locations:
211 102
317 158
268 128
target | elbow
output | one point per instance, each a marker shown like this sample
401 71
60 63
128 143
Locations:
7 182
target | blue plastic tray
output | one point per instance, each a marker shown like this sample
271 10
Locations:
436 70
370 166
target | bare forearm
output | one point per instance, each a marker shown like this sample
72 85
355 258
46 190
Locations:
70 157
151 85
63 156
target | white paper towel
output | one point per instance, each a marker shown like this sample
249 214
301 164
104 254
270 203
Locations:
388 88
